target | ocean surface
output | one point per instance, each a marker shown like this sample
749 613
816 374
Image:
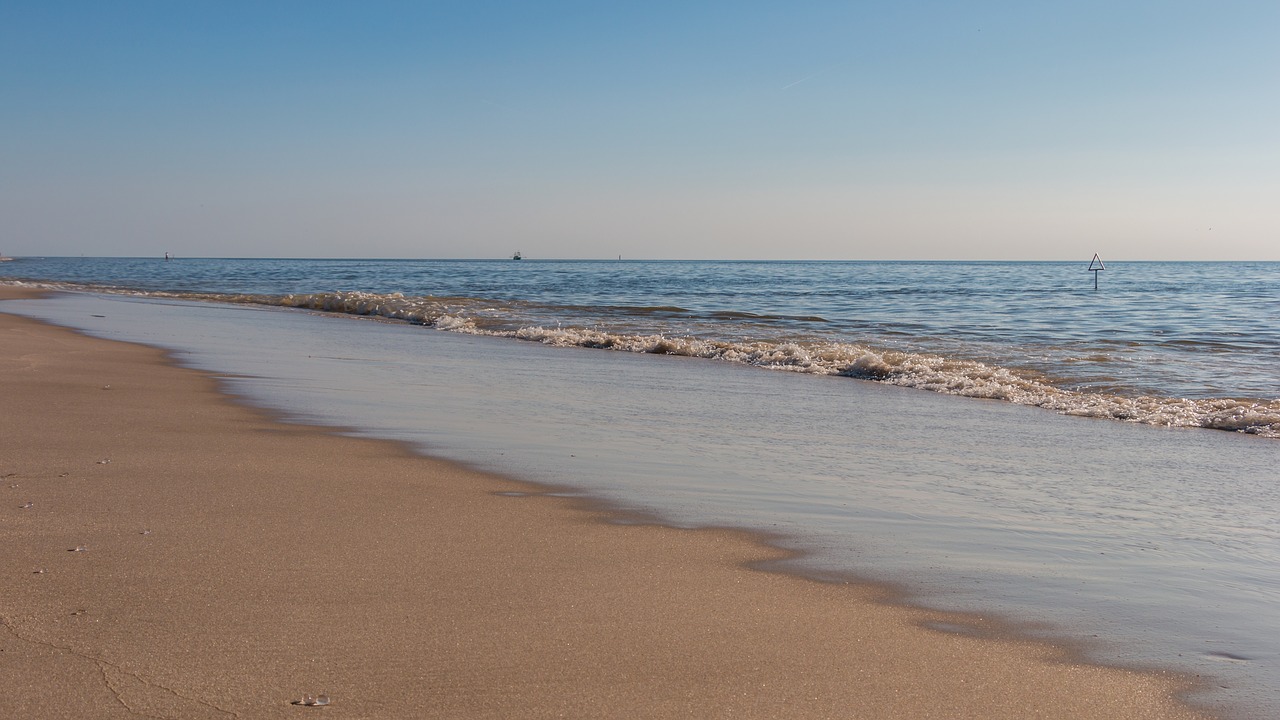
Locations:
1096 465
1177 344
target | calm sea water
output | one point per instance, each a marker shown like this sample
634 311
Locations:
1177 344
1156 541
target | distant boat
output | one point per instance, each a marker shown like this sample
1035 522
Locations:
517 256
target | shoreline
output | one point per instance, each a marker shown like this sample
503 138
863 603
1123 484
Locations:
407 586
964 374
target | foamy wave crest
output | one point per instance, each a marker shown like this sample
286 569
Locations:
441 313
924 371
417 310
975 379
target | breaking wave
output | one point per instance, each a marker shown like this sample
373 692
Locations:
921 370
924 371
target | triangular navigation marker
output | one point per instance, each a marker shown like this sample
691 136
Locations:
1095 265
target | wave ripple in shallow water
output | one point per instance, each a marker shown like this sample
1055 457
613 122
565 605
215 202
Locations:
924 371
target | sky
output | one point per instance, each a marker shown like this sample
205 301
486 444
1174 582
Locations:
682 130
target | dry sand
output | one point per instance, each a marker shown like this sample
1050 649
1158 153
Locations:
232 563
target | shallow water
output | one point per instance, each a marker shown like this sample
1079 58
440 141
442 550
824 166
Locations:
1174 344
1161 541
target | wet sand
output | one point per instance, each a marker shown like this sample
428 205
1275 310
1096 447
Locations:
200 559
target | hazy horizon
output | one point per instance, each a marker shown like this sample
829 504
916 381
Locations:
818 131
1083 262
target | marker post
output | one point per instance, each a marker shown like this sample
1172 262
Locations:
1095 267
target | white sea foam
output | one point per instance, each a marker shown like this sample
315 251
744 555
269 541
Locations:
925 371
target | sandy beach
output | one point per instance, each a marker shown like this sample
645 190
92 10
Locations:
171 553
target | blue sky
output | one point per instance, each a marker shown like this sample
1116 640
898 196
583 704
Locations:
820 130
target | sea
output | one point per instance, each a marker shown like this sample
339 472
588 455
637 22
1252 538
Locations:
1090 457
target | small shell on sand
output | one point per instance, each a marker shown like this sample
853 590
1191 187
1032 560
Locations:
78 548
309 701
